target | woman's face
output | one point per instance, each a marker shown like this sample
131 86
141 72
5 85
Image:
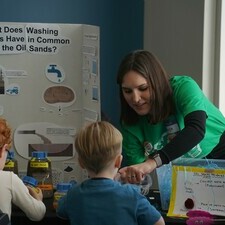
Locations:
136 92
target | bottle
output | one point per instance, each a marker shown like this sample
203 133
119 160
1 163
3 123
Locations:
31 182
11 163
61 190
39 167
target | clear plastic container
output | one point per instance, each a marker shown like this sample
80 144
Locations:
11 163
164 173
61 191
31 182
39 167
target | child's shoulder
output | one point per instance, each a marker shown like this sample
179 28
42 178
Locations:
7 174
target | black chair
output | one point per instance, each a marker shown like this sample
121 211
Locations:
4 218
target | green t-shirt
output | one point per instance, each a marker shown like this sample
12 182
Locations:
188 97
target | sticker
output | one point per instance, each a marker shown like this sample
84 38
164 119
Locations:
12 89
59 96
55 73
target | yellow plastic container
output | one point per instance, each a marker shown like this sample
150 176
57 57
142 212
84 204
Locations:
11 163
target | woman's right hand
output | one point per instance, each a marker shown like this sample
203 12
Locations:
135 173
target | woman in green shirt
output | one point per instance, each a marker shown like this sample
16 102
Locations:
164 118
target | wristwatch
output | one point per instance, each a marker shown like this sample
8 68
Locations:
157 159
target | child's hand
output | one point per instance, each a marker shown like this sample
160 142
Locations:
36 193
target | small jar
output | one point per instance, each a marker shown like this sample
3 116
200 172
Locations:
61 191
39 167
31 182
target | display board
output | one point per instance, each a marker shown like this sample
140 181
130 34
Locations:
195 188
49 88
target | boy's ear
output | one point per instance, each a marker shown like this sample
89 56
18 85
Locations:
118 161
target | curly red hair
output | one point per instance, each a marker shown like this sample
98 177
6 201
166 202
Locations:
5 133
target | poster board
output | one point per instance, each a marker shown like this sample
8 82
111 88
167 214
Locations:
205 187
49 88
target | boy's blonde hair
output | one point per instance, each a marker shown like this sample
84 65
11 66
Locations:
5 134
97 144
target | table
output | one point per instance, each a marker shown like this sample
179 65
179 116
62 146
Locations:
19 218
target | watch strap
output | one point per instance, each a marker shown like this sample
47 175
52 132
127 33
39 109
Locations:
157 159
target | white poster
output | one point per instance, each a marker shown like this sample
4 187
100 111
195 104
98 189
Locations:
42 89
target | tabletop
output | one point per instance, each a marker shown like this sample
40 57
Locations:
19 218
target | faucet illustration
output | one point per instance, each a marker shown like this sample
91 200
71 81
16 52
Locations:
53 69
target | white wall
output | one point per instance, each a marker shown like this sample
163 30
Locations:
209 74
220 57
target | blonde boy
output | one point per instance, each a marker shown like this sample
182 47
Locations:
101 200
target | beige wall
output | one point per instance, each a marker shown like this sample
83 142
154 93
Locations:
182 34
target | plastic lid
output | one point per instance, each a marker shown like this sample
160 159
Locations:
64 186
30 180
10 155
39 155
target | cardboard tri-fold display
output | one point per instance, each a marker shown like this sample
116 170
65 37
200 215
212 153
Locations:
49 88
